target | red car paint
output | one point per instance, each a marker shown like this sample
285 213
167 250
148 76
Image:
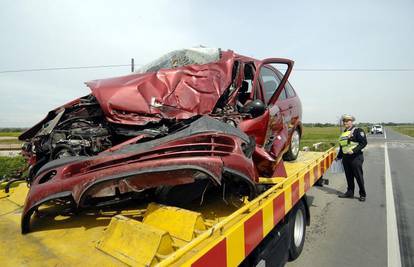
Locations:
177 94
183 92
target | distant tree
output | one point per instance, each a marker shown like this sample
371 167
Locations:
14 129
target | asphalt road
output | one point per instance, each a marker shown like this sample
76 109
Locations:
346 232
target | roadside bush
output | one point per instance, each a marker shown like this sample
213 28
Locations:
9 165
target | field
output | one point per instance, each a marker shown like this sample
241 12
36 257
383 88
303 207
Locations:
14 134
405 129
8 165
328 136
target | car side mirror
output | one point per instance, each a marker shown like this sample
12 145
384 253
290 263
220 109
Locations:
255 108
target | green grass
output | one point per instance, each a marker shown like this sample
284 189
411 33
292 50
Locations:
15 134
321 133
8 165
405 129
328 136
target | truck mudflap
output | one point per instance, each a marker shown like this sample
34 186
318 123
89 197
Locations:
214 234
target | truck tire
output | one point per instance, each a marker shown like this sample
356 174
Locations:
297 230
319 182
294 145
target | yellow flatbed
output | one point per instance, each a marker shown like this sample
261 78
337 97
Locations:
147 234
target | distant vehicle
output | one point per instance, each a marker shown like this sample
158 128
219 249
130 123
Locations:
377 129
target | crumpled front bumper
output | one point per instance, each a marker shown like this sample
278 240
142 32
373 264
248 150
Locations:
198 153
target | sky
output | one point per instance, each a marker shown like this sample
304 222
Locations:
363 34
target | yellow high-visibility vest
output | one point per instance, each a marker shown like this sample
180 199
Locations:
346 144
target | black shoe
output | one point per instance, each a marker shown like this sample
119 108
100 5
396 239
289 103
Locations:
362 199
346 195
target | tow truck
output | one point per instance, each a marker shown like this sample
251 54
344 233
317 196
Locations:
265 231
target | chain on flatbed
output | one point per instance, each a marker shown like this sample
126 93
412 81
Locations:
147 235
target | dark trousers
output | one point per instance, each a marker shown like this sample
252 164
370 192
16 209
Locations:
353 169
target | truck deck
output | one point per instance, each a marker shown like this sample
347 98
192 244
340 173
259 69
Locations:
218 232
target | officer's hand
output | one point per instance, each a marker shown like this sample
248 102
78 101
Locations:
350 152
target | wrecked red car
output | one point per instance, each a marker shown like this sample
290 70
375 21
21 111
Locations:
193 118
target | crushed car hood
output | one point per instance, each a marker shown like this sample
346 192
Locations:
179 93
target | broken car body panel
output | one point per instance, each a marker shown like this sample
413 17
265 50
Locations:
178 93
206 149
193 115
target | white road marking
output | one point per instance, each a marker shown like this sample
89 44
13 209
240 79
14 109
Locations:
393 242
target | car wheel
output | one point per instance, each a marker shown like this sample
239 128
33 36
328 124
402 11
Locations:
297 225
294 145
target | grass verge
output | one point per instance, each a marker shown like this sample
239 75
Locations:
327 136
9 165
15 134
404 129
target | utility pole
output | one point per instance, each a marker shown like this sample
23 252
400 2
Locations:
132 65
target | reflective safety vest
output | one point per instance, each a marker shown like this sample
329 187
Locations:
346 144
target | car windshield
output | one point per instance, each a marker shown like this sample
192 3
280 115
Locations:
180 58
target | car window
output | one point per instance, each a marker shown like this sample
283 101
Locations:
270 82
289 90
282 95
180 58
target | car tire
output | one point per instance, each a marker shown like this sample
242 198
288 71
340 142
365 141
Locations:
294 146
297 231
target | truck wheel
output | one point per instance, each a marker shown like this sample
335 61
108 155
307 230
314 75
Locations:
297 225
294 145
319 182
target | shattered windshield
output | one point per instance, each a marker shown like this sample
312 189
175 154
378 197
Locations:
180 58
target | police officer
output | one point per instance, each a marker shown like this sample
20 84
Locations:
351 143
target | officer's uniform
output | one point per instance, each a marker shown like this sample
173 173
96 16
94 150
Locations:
354 140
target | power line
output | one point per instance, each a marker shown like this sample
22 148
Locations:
66 68
355 70
295 69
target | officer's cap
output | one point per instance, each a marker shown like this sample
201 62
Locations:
347 117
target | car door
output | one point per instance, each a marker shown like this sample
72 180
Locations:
253 126
295 107
273 86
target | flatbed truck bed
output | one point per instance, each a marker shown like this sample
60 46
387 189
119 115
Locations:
216 233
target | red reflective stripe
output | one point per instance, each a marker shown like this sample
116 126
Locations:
216 256
278 208
295 192
315 173
306 178
253 232
322 168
